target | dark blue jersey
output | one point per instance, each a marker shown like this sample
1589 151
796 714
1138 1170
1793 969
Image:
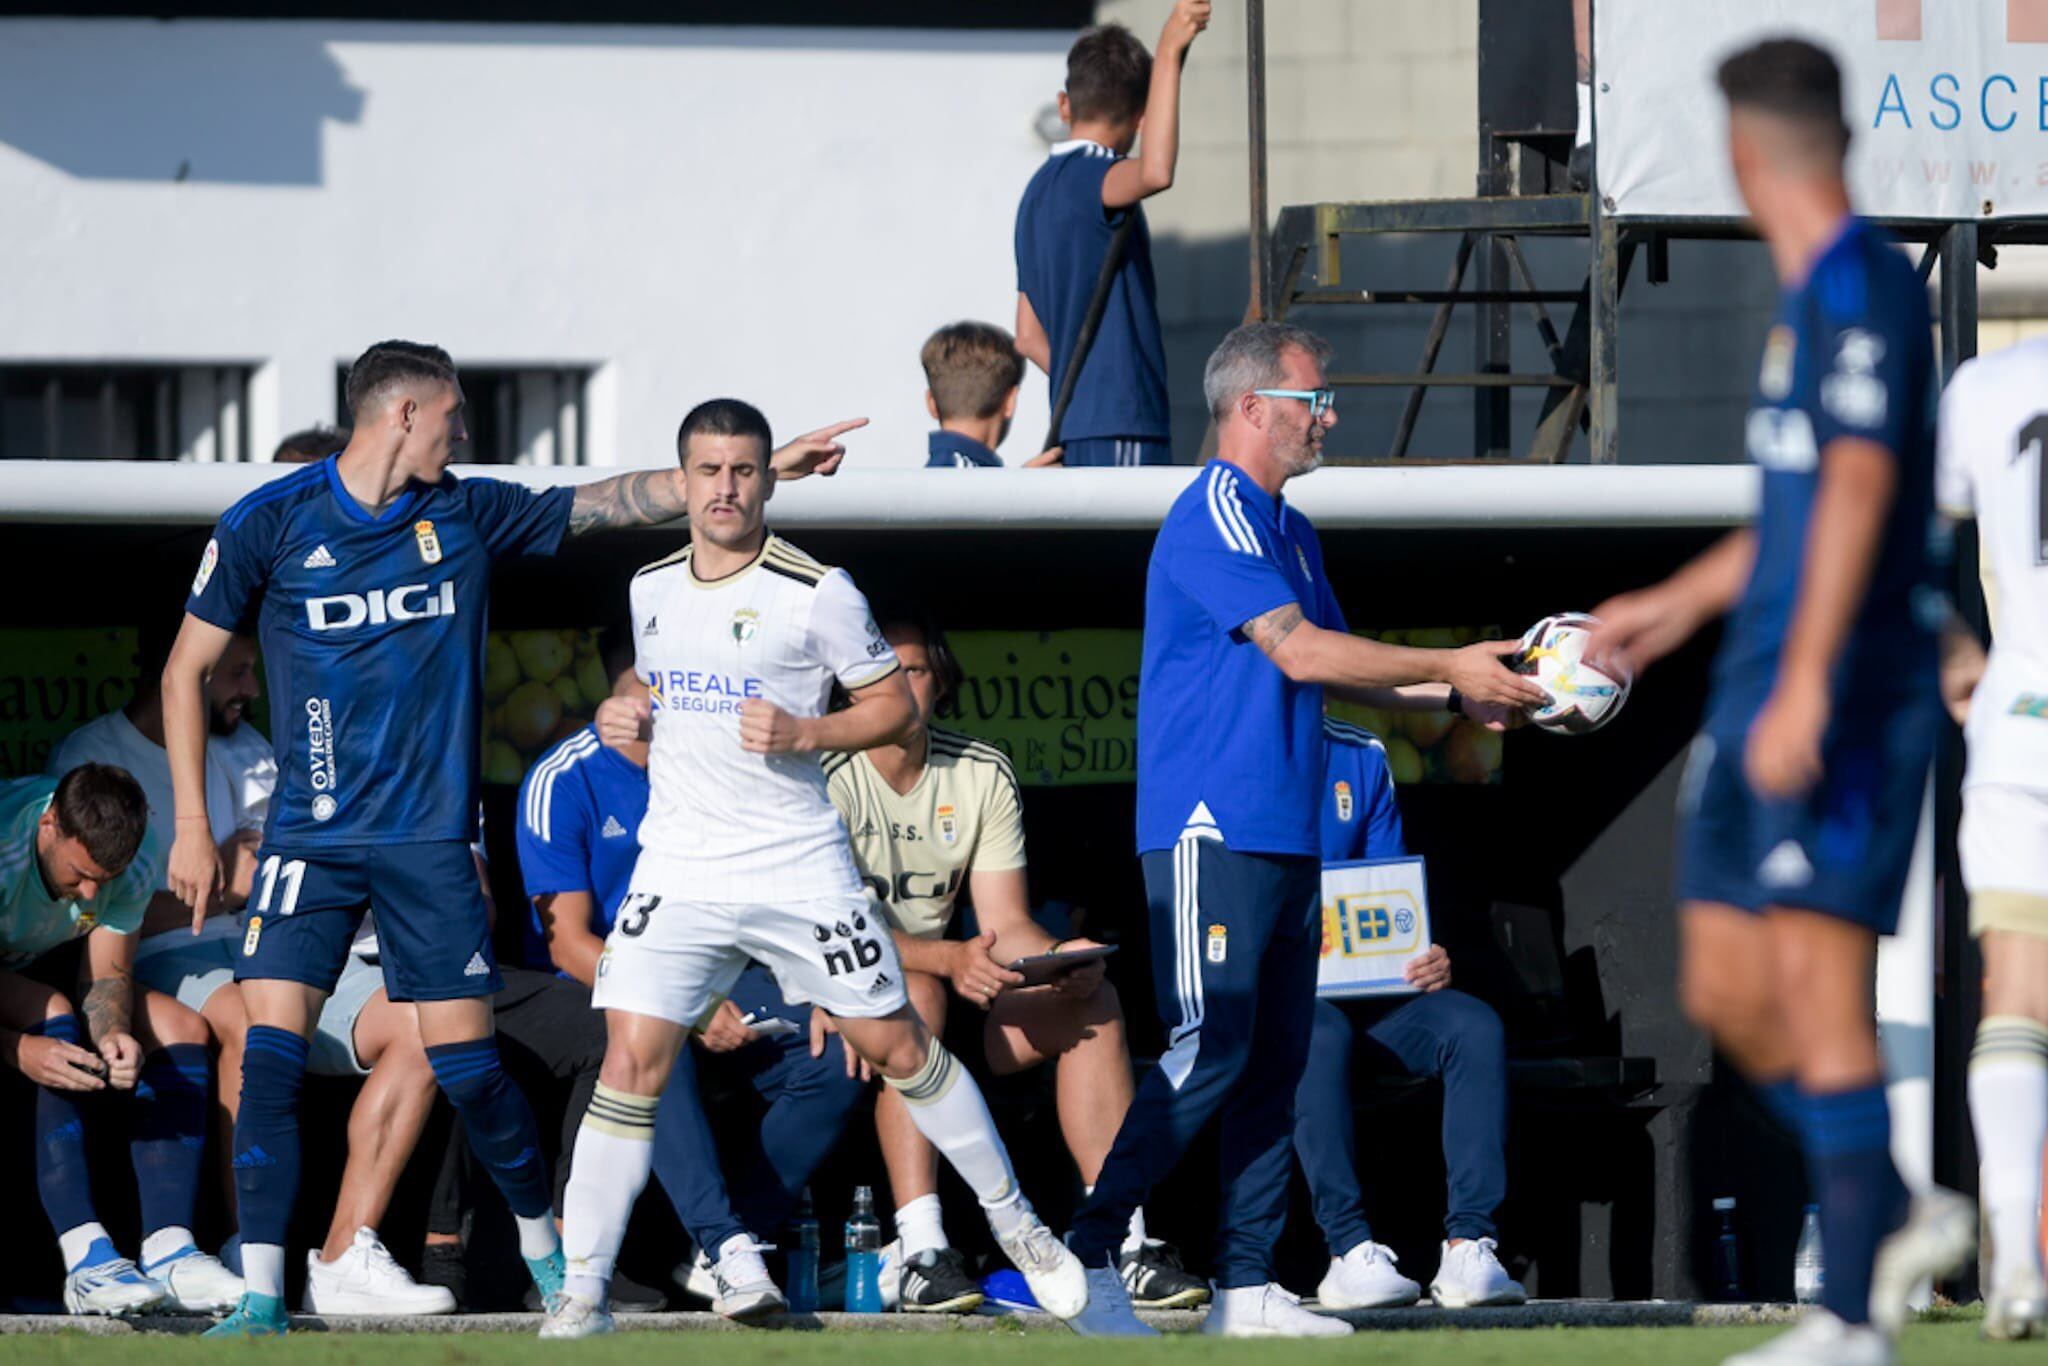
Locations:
579 819
372 630
952 451
1361 819
1851 356
1063 232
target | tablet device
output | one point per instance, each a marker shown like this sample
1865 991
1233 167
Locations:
1050 967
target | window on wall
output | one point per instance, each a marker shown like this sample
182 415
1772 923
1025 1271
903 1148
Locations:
517 415
124 412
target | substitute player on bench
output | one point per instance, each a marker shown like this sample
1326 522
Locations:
368 575
931 816
1803 792
741 638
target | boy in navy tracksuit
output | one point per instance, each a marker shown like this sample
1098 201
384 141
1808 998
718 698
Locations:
1065 224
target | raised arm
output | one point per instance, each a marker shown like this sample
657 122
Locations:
651 497
193 870
1637 629
881 713
1308 653
1149 172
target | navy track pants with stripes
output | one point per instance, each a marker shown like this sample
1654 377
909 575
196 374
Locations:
1234 945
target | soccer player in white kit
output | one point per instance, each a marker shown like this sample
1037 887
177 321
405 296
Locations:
740 638
1989 465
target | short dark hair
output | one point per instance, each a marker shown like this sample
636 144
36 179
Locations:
1109 73
1790 79
310 445
103 807
971 368
901 616
724 417
394 362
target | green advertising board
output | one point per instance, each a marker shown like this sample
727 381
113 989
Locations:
54 680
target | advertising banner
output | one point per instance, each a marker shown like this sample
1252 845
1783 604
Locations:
1947 102
52 681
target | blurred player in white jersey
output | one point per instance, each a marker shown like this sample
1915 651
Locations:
741 639
1994 424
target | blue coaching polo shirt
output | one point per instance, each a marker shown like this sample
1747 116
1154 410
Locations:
1360 818
1225 739
578 810
1063 232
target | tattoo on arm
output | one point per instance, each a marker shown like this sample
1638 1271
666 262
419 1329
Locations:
1269 630
642 498
108 1003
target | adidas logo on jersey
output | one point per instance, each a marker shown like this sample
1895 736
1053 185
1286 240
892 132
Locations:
612 829
649 628
319 559
477 966
1785 866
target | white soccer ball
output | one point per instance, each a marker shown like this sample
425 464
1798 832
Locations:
1582 698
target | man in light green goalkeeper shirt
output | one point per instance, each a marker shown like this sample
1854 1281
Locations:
77 863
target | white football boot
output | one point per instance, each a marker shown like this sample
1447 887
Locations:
1821 1339
115 1288
1267 1311
1365 1278
366 1279
197 1283
1939 1235
1470 1274
1108 1312
569 1317
2017 1309
1054 1274
745 1289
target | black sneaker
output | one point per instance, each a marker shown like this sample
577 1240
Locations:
1154 1276
938 1283
628 1297
441 1264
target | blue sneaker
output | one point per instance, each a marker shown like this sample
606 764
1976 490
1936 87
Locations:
548 1274
258 1316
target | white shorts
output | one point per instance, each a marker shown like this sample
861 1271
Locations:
193 972
675 959
2003 842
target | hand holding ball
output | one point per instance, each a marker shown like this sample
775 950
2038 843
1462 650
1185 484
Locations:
1582 698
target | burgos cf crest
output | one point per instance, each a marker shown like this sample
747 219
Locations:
430 543
744 623
949 825
1344 804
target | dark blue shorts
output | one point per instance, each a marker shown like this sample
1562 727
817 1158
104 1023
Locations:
1842 849
433 933
1116 450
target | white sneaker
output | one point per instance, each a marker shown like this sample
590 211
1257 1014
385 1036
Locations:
1939 1235
116 1288
697 1277
1267 1311
1470 1274
1054 1274
2017 1309
197 1283
745 1289
1821 1339
569 1317
366 1279
1108 1313
1364 1278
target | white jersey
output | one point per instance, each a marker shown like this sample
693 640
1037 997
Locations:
1992 464
729 825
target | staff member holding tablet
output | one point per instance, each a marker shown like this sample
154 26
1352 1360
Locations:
938 812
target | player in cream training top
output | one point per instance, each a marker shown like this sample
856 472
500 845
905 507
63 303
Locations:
740 639
930 817
1989 465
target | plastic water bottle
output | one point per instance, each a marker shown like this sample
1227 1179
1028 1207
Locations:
803 1258
1809 1273
863 1255
1727 1253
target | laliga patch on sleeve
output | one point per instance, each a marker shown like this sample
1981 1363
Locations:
1852 392
207 560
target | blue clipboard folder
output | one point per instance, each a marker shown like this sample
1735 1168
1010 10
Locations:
1375 919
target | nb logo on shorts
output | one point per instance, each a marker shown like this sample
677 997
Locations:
858 950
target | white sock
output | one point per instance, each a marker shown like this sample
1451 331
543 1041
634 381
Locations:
921 1225
263 1269
614 1152
1585 91
537 1236
74 1243
2009 1109
947 1108
163 1243
1135 1239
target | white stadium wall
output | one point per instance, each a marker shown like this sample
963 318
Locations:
782 215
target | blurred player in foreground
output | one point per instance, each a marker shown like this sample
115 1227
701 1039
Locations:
365 574
1989 466
1803 792
740 638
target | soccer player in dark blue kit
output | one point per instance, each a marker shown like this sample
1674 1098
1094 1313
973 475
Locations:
1803 791
1242 637
366 576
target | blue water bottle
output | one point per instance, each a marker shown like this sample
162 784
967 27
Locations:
863 1255
803 1258
1728 1283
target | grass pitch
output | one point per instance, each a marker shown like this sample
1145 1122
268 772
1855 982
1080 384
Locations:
1950 1341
